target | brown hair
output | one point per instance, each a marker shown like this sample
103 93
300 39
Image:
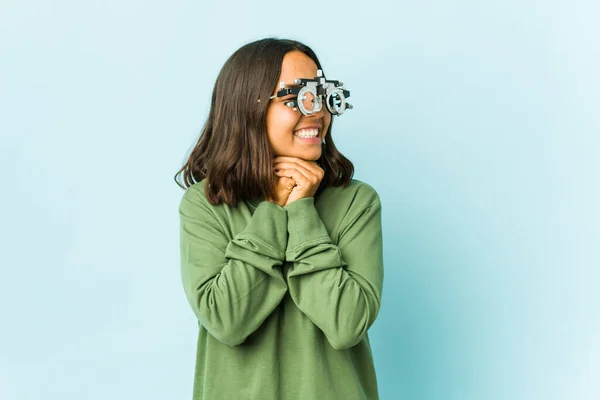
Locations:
233 152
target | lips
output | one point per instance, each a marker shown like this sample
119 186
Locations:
319 127
309 132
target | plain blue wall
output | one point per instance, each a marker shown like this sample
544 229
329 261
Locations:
477 123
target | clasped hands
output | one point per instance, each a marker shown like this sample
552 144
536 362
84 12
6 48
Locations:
294 178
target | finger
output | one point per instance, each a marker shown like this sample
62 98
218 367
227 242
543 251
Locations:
312 166
291 165
312 177
286 182
301 180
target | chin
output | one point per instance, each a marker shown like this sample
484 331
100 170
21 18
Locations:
310 157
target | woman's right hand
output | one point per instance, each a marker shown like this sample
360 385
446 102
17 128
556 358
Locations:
282 188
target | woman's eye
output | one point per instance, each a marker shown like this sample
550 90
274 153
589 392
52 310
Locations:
286 99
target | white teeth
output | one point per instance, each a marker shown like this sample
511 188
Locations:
307 133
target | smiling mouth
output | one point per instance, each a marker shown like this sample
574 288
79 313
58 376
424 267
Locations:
307 133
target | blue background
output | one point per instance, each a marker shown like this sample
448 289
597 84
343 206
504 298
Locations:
477 123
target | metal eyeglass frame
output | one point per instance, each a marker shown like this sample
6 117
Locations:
335 94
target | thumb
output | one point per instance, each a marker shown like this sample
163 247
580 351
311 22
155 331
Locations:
288 183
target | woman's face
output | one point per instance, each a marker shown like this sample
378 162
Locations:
283 122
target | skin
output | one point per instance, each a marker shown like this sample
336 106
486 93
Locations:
297 174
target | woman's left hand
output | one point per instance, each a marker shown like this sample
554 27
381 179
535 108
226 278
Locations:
307 174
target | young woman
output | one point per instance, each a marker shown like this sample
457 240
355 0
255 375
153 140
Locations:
281 250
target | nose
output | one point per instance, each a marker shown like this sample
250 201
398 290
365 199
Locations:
318 114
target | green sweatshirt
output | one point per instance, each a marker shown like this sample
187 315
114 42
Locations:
284 296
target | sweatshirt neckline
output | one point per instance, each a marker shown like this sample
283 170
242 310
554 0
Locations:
255 202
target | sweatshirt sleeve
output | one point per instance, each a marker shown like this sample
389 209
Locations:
338 287
232 285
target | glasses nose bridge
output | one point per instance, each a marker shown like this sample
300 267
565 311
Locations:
317 114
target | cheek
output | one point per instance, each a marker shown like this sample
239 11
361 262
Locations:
281 122
326 121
